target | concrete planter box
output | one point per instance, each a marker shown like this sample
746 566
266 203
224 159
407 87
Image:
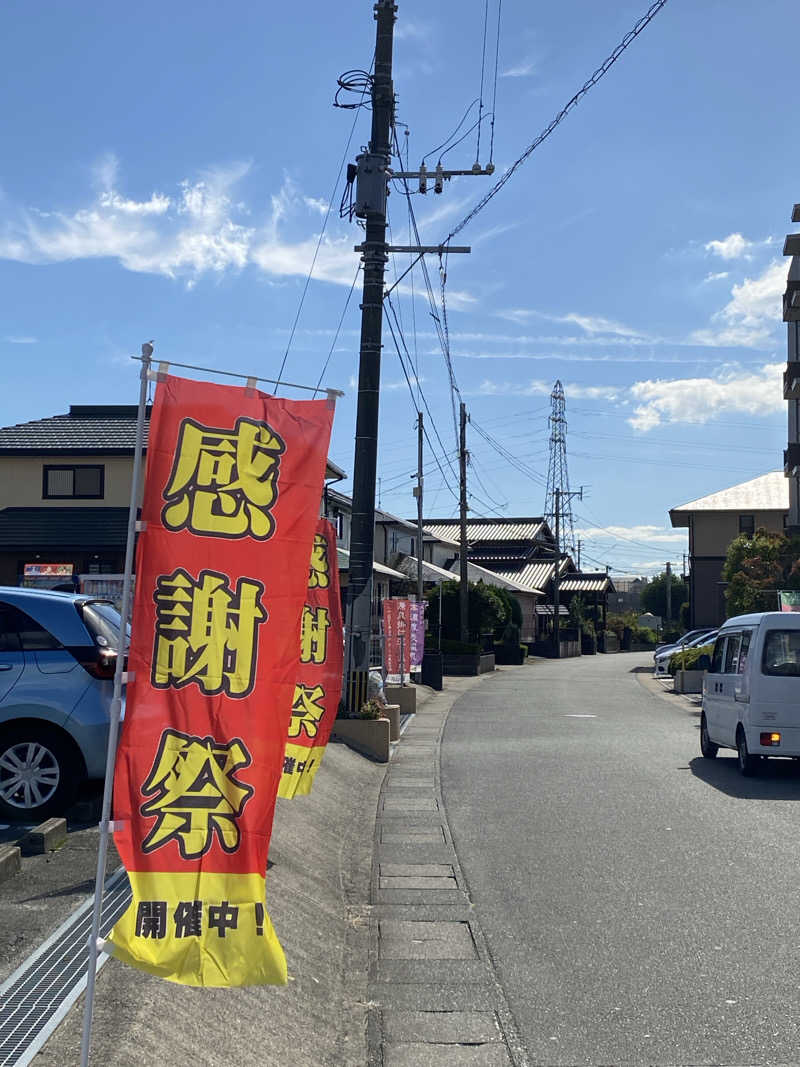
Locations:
370 737
405 696
689 681
393 713
467 664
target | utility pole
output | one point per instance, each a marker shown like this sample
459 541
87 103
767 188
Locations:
464 571
669 591
373 167
418 495
580 544
556 619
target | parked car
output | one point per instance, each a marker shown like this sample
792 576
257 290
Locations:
751 692
685 639
665 655
58 654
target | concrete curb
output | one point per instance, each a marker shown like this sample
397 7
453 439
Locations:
46 837
10 861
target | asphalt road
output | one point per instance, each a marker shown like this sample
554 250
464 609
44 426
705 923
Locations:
642 905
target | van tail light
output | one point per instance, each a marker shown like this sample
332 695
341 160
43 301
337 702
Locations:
770 739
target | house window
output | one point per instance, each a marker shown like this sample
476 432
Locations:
338 522
747 524
73 482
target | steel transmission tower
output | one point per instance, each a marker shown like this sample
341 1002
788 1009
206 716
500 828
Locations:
558 492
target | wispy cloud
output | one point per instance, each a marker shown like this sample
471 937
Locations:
592 325
13 339
520 70
716 277
539 387
656 534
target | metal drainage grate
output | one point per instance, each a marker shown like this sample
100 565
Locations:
38 995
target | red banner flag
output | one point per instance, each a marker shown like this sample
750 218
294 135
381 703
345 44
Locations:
232 494
319 681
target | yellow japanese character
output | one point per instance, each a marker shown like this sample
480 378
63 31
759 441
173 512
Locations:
194 793
319 576
307 710
224 483
314 635
206 632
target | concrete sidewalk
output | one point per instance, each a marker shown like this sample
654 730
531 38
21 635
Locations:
317 898
434 997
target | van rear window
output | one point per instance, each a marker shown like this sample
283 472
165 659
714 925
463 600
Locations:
781 655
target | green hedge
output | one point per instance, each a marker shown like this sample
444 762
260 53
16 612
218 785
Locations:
692 655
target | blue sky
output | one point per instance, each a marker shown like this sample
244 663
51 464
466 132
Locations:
167 168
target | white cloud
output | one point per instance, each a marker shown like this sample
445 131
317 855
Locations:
733 246
716 277
538 387
19 340
594 326
700 400
521 70
199 231
656 534
158 204
753 313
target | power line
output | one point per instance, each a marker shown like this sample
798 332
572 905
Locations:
587 85
494 90
364 89
338 328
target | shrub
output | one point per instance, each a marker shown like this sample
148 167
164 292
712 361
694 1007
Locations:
371 710
687 661
488 612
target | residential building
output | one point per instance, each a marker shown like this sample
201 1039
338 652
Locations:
522 552
65 485
713 522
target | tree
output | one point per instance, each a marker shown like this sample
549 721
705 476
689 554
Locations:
487 610
654 595
756 567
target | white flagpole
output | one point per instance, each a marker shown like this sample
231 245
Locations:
116 709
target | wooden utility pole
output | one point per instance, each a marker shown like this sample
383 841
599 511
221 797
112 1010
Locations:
464 572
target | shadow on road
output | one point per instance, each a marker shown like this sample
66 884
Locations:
777 779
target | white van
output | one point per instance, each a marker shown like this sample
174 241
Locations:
751 691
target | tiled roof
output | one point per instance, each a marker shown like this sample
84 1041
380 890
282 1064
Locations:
343 557
769 492
432 573
86 429
63 528
586 583
533 576
488 529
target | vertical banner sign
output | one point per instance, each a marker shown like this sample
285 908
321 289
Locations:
417 623
396 617
232 492
319 679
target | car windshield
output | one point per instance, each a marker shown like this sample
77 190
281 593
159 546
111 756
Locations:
102 620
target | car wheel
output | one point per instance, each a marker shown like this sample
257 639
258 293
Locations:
748 764
38 773
707 746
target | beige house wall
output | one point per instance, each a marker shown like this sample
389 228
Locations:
713 531
21 481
